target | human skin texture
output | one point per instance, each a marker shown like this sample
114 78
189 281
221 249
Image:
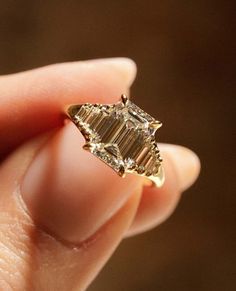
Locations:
62 211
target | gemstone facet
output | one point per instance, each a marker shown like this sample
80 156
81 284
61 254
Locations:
122 135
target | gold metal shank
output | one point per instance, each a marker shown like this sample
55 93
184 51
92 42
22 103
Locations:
122 135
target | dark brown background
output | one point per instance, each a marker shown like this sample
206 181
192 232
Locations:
185 51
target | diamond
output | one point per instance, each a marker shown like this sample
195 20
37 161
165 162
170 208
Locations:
121 135
112 149
130 163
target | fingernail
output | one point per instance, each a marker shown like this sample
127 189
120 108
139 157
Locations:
125 66
71 193
185 162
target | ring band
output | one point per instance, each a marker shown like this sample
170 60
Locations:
122 135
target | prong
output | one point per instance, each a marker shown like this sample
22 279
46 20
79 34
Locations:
155 124
160 159
87 146
121 172
124 99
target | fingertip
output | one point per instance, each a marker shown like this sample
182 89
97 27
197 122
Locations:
185 162
126 67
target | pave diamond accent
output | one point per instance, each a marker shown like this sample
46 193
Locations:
122 135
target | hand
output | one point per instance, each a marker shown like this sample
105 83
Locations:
62 211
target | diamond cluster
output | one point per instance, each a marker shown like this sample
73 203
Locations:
122 135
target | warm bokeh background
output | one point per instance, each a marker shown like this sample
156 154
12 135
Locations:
186 56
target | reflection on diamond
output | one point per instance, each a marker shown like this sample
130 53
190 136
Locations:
112 149
121 136
130 163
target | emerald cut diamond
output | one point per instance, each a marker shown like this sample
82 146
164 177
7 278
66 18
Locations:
122 135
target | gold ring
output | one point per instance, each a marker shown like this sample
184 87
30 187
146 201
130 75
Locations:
122 135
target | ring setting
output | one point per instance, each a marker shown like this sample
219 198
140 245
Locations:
122 135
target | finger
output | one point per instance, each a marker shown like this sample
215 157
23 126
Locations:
65 184
61 201
31 102
32 258
67 197
182 168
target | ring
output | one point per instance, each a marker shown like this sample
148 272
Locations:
122 135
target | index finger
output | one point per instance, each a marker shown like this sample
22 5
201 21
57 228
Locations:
31 101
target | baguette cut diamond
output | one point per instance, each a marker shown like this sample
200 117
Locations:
122 135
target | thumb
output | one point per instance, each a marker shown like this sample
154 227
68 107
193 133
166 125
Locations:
70 192
62 213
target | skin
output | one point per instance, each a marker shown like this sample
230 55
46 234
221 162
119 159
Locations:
62 211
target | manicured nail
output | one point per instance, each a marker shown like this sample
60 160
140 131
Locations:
71 193
125 66
185 162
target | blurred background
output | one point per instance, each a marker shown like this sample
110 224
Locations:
186 57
